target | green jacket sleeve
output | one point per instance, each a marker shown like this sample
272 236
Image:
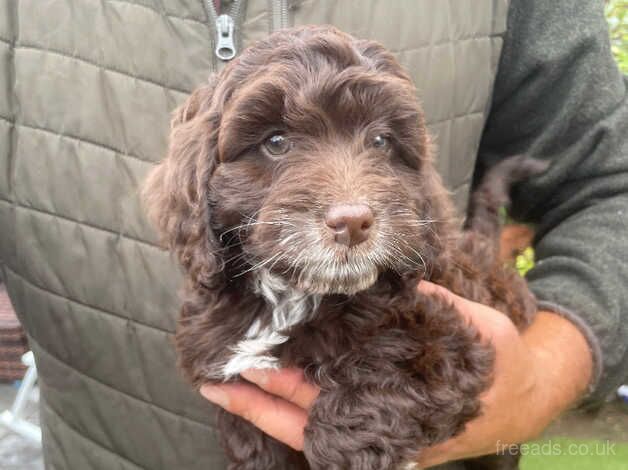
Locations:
560 96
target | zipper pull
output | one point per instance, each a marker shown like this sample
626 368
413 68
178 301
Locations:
225 45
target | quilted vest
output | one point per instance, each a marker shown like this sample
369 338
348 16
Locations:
86 92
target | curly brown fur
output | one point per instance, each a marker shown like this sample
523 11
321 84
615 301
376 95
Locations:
398 371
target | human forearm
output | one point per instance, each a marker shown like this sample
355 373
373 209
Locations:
563 361
581 275
559 96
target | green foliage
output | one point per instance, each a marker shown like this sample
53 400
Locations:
525 261
617 17
504 218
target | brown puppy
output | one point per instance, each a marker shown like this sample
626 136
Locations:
300 197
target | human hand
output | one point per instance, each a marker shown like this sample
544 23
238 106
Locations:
537 375
276 401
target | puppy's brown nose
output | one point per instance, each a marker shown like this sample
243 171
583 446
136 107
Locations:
350 223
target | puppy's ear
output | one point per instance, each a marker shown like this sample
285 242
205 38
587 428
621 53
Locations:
176 191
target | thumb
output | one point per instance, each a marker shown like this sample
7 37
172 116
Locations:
461 304
486 319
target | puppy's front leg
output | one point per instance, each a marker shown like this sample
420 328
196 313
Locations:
365 429
248 448
416 383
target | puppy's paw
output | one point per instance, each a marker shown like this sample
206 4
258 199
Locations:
362 430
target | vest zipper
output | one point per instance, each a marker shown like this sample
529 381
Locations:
280 14
225 27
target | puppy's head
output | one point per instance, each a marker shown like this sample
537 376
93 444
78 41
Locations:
307 157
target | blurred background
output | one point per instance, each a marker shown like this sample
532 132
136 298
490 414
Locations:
580 440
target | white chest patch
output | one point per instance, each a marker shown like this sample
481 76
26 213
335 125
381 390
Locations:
290 307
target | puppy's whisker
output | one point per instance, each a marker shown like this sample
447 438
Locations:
417 253
271 267
237 257
251 224
258 265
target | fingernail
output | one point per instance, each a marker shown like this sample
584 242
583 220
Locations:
215 394
257 376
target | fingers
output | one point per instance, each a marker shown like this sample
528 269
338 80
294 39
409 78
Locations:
285 383
275 401
275 416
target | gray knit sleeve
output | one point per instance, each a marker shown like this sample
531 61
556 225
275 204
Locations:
560 96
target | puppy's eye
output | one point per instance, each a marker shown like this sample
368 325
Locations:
277 144
381 142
